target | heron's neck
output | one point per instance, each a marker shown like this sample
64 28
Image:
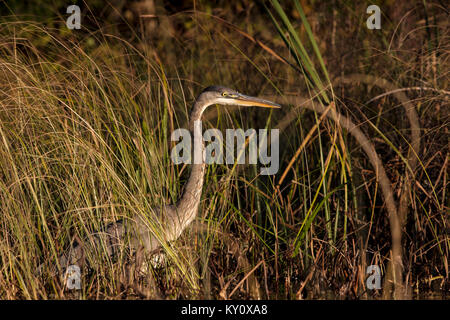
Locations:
187 206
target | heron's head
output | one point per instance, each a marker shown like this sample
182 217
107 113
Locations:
226 96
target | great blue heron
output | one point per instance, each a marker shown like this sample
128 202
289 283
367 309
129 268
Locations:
174 218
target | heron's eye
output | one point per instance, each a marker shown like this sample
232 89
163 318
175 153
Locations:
224 94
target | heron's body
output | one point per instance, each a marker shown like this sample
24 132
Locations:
173 218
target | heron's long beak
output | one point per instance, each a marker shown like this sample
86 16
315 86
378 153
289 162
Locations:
248 101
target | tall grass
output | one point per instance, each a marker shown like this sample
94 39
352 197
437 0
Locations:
85 122
79 150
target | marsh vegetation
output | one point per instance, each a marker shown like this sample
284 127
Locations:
86 117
